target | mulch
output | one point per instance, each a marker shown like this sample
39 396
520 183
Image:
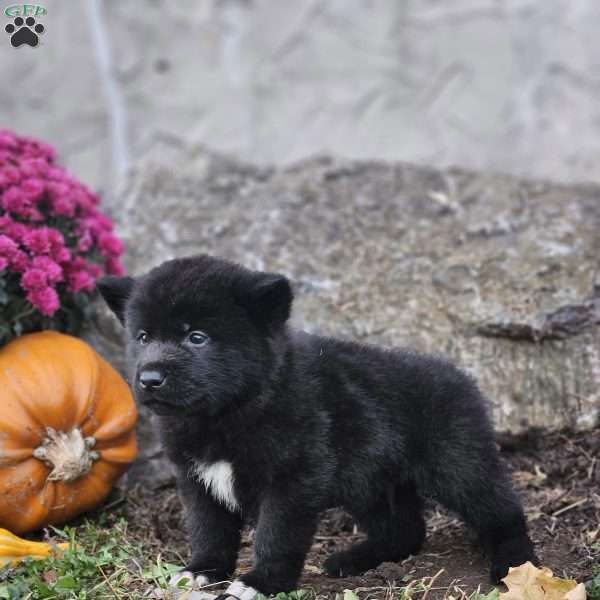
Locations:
557 474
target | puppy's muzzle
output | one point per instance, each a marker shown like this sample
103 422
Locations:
150 379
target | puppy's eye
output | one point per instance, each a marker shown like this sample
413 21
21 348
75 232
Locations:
198 338
142 338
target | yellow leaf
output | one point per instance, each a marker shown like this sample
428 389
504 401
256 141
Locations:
577 593
521 583
527 582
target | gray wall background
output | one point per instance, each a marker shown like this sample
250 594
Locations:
506 85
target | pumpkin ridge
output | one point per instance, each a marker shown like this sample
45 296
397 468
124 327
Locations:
92 397
119 452
14 456
21 396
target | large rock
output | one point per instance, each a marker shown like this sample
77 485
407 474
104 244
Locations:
500 274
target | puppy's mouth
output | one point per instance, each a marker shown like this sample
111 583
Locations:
159 407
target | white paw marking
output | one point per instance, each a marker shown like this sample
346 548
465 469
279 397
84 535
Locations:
241 591
218 480
193 582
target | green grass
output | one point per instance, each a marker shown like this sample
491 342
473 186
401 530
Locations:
105 561
101 563
593 587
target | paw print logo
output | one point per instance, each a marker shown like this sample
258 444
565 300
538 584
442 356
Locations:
24 31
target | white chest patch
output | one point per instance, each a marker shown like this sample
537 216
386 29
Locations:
217 477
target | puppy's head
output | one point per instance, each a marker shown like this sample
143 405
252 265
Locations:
200 332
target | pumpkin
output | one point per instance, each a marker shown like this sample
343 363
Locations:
14 549
67 423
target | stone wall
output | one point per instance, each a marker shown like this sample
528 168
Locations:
507 85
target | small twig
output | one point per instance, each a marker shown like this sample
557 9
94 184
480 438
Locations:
437 554
108 581
591 468
569 507
23 314
114 503
335 537
555 500
431 582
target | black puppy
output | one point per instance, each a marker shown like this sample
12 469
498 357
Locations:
274 425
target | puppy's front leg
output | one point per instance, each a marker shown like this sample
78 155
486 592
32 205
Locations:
215 534
284 532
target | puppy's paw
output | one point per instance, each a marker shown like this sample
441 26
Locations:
511 553
343 564
238 590
192 581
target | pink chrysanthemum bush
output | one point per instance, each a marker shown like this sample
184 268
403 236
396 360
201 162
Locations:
54 241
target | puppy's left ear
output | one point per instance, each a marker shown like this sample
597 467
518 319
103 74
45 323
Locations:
116 291
269 299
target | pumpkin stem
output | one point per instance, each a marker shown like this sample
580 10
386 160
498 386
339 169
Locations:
70 455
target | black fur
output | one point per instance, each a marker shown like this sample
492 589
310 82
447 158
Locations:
307 423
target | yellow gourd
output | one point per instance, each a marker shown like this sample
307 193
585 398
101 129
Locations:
13 548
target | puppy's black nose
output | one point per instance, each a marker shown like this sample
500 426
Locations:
151 378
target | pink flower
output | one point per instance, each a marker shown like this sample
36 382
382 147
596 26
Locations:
19 261
15 200
53 271
33 214
62 256
8 247
32 167
45 300
10 174
34 279
51 229
17 231
64 206
110 245
80 280
38 240
57 245
95 270
12 229
114 267
55 173
57 189
56 238
78 263
33 188
8 140
85 242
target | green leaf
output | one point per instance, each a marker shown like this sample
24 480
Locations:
350 595
44 591
184 582
66 582
494 594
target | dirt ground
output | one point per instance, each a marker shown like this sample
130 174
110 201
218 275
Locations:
557 474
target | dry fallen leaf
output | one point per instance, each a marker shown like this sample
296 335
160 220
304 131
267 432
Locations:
526 478
527 582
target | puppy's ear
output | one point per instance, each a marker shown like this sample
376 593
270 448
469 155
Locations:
269 299
116 291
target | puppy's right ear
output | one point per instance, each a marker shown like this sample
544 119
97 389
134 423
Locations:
116 291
